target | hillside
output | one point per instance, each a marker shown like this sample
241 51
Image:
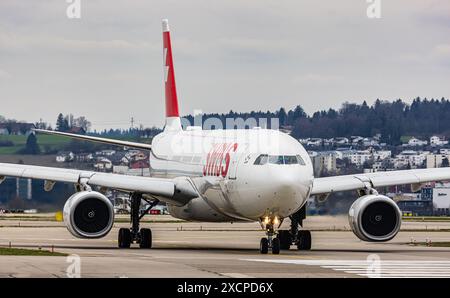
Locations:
46 143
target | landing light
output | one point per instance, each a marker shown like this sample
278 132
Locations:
276 221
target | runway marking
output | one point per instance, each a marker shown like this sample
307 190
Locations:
236 275
385 268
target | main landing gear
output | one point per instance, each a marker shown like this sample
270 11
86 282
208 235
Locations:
285 238
300 238
134 234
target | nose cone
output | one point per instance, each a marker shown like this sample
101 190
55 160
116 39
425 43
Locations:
273 189
288 189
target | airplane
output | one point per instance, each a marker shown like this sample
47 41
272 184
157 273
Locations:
222 175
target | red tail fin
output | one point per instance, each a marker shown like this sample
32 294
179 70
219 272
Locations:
169 74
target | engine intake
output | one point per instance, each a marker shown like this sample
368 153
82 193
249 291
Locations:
375 218
88 214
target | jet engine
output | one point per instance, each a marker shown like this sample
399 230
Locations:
88 214
375 218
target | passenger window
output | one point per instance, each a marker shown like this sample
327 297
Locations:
261 160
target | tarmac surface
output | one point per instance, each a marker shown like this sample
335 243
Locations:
182 249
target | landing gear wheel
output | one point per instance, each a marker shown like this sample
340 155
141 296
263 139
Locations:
264 246
304 240
276 246
124 238
146 238
285 239
135 234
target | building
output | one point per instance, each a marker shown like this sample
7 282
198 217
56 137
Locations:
382 155
105 153
324 162
416 142
437 141
65 156
360 157
356 140
341 141
84 157
444 151
140 164
77 130
433 199
436 160
441 198
314 142
103 164
414 159
416 204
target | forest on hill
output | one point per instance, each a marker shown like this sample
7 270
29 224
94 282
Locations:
391 119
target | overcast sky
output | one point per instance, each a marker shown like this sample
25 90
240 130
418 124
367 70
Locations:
229 54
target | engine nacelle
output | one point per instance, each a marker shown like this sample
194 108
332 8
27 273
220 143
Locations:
375 218
88 214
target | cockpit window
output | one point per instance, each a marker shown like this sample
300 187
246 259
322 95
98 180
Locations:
261 160
300 160
290 160
279 160
276 159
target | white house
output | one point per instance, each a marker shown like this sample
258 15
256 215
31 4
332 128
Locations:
314 142
65 156
360 157
356 139
341 140
382 154
416 142
437 141
105 152
103 164
411 157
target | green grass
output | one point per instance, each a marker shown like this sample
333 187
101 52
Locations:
10 150
6 251
55 142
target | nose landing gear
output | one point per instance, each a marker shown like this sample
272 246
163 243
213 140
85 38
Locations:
269 242
134 234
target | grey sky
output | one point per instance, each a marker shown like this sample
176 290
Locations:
229 54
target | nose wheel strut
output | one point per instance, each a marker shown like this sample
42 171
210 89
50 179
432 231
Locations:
270 242
134 234
283 239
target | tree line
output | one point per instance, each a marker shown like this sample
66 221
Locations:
421 118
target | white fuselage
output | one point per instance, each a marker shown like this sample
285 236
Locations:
221 166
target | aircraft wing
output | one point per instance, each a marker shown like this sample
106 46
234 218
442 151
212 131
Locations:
96 139
325 185
176 191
